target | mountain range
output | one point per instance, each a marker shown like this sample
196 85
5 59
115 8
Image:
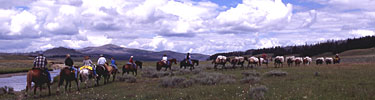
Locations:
120 53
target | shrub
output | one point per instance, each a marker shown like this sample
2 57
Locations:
276 73
152 73
257 93
127 78
213 78
175 82
250 79
250 73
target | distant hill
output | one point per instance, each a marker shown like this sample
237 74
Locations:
61 52
125 53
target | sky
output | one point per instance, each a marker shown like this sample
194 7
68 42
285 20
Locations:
196 26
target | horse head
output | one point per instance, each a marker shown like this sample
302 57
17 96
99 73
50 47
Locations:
173 61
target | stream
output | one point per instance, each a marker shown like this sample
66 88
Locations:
18 82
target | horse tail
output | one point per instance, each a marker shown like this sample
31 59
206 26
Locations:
29 78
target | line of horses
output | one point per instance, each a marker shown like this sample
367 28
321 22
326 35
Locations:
38 77
278 61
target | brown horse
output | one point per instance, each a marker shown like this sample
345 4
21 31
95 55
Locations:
161 64
68 76
220 61
111 71
36 75
130 68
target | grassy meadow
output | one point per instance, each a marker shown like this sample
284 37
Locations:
346 81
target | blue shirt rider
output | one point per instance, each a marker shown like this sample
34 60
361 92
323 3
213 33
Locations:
113 63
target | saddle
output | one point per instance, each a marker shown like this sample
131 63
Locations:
86 67
44 72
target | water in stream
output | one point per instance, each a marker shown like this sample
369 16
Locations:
19 82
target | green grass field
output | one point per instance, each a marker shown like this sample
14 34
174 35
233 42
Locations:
346 81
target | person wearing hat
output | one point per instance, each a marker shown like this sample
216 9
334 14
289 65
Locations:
87 62
69 62
40 62
102 60
132 62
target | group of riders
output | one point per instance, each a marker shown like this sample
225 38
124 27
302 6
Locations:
41 61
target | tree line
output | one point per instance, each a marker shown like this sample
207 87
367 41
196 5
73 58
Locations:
332 46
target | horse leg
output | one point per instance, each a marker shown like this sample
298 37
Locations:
66 86
135 72
97 80
114 76
70 86
40 90
36 86
77 84
49 89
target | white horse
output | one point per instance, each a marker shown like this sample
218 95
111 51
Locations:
85 75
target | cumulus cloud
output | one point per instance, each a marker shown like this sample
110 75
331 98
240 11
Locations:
177 25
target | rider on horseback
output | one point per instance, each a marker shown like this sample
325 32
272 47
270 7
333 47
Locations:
131 62
69 62
87 62
188 58
113 63
164 59
102 61
40 62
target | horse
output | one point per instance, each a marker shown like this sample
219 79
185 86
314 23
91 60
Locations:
139 64
111 71
68 76
328 60
253 61
102 71
184 63
220 61
319 60
264 61
86 74
298 61
130 68
237 61
279 60
289 61
161 64
37 76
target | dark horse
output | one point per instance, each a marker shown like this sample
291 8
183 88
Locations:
130 68
37 76
161 64
102 71
185 63
68 76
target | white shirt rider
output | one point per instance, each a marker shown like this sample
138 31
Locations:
101 61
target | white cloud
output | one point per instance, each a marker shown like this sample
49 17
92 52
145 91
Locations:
178 25
361 33
20 21
255 15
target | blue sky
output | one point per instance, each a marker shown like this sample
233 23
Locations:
198 26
